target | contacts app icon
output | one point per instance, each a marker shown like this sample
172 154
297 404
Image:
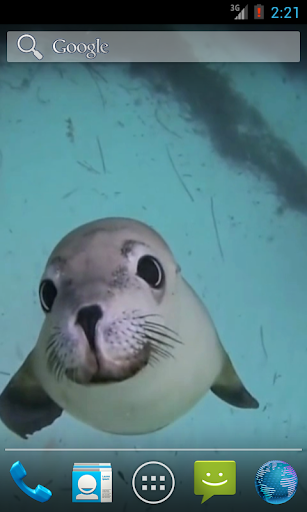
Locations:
87 485
92 482
214 477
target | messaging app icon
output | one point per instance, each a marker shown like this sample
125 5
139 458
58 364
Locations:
214 478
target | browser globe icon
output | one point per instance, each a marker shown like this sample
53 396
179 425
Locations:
276 482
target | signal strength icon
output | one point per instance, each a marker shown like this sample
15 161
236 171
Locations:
243 15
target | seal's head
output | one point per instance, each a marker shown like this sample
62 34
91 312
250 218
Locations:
113 294
101 291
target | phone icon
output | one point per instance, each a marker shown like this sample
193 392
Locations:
40 493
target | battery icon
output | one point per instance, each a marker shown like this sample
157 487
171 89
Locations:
258 12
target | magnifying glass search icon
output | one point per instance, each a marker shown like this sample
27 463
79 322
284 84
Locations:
36 53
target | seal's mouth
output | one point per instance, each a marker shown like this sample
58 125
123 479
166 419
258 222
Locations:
110 370
107 375
111 354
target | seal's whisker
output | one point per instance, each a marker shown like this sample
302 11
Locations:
147 315
156 323
161 336
60 371
54 363
53 338
154 359
56 329
57 368
162 326
158 346
52 345
155 347
71 374
161 333
148 337
163 353
52 354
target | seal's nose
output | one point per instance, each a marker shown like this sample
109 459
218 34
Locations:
87 318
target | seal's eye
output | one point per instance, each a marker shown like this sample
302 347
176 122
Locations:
47 294
151 271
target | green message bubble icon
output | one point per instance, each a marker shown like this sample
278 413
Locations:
214 477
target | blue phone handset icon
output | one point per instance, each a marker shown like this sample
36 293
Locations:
40 493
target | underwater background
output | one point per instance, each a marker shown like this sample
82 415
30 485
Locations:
214 158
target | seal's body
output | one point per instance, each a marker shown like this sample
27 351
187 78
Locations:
126 346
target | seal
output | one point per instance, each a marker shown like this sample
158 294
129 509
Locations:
126 346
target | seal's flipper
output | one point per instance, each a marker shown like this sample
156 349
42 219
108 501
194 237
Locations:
25 407
229 388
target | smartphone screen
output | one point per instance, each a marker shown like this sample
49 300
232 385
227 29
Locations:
153 200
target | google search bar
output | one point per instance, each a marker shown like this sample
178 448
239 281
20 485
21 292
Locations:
149 46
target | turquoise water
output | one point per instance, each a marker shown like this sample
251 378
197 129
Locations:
253 280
